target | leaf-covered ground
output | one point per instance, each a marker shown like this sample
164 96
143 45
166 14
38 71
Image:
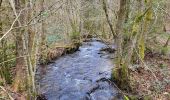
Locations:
153 78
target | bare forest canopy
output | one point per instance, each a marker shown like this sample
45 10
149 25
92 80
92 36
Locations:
34 33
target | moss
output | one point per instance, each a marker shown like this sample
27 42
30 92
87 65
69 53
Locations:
162 65
149 15
75 35
72 48
137 97
147 98
135 29
164 50
142 48
121 78
132 97
1 83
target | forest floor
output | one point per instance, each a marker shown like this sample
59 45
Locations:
152 78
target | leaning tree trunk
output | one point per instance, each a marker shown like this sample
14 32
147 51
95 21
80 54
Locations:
107 17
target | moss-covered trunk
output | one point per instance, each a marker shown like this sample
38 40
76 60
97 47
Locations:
120 73
146 23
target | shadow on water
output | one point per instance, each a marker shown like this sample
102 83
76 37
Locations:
76 76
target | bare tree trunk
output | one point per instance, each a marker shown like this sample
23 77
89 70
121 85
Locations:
21 76
119 31
2 57
30 50
107 17
43 48
43 25
127 10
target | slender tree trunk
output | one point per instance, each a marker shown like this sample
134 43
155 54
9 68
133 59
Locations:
43 25
21 76
1 59
167 42
107 17
147 21
127 10
43 54
30 50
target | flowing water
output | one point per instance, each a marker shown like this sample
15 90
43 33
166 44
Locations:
78 76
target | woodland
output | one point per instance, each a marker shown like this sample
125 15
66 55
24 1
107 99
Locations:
51 48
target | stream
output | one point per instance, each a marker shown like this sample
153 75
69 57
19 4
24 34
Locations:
78 76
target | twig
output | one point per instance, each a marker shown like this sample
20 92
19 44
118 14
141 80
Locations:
147 66
10 97
28 24
28 55
11 25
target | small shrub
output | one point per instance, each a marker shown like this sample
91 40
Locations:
75 35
